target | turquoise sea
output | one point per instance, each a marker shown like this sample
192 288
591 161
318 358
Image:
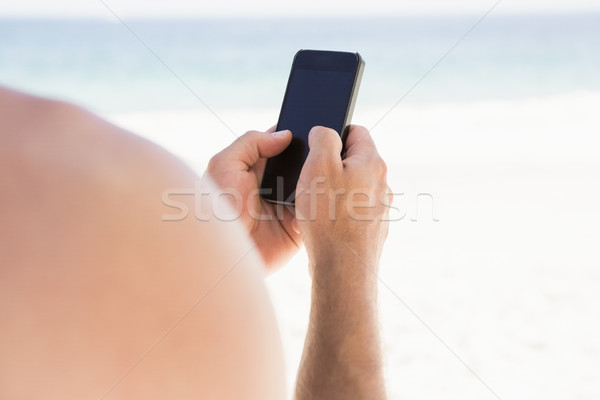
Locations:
239 63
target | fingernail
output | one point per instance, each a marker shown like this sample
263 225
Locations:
280 133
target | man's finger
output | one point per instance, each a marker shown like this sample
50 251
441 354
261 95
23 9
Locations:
360 142
253 145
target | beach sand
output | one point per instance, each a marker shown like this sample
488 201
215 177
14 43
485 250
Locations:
490 278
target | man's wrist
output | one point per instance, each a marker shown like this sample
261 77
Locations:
345 277
335 259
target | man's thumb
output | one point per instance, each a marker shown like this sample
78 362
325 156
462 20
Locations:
282 140
253 145
324 142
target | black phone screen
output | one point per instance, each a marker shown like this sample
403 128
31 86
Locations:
316 97
319 92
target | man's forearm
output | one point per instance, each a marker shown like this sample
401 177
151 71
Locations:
342 355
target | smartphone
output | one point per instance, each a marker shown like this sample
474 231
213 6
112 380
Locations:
321 90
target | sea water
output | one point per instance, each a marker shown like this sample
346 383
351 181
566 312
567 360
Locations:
147 65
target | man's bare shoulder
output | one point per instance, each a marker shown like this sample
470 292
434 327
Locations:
87 259
59 162
53 135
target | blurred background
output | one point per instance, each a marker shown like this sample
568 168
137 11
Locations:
487 113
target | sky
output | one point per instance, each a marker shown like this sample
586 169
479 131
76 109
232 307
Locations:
288 8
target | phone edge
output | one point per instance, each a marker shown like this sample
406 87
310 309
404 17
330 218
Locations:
353 97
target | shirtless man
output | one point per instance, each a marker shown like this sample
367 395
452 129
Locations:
102 298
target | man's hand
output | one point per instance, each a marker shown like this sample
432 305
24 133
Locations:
238 170
341 209
342 204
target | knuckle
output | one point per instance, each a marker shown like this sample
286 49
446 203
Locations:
380 167
387 197
248 137
359 128
215 161
250 133
383 166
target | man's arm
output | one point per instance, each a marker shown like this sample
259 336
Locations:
342 358
341 211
